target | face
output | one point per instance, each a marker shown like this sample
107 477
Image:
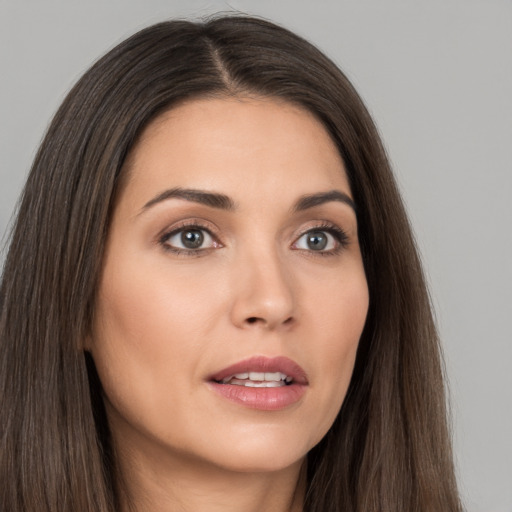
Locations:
233 293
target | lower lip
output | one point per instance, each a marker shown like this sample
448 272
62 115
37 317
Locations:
264 399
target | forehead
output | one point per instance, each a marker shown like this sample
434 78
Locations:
239 146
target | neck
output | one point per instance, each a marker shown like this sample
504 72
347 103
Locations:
177 483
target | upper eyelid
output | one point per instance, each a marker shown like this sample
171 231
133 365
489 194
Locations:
174 232
194 223
336 233
322 225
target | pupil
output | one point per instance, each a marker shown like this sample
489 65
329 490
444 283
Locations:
317 240
192 239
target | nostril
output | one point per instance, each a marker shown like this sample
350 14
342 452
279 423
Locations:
255 319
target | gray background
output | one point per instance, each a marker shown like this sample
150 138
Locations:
437 76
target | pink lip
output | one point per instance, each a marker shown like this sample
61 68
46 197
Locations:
266 399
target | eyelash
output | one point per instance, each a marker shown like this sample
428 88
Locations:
339 235
192 225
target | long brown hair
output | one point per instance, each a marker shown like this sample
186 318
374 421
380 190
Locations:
389 448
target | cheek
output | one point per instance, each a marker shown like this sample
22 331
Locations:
152 309
147 333
339 317
338 310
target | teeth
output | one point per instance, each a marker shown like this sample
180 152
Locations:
264 384
274 384
258 379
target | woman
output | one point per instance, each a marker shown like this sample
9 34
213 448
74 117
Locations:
212 299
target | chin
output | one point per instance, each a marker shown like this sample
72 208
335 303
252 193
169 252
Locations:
260 462
263 451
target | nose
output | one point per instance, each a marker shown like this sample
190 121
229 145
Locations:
263 293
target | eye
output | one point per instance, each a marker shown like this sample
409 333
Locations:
189 239
316 241
328 240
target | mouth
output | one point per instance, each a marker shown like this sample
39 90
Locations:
258 379
261 383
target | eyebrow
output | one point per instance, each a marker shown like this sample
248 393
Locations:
212 199
312 200
223 202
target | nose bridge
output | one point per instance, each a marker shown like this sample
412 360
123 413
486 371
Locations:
264 292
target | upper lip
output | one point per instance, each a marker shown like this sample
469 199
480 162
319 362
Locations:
264 364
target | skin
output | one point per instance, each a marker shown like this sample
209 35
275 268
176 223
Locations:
165 321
